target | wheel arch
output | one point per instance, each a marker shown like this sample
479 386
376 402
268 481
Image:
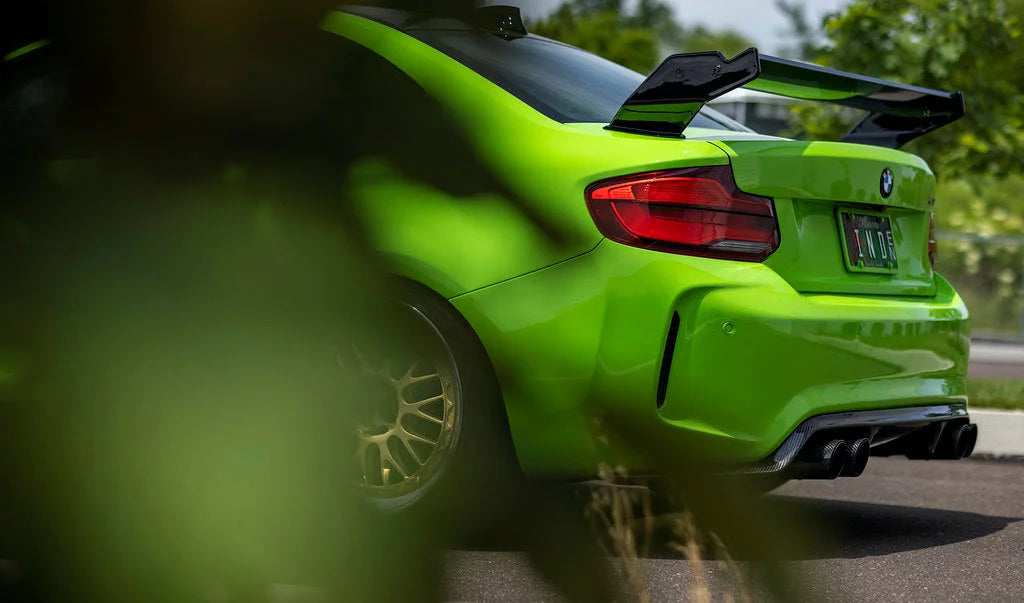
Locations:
406 285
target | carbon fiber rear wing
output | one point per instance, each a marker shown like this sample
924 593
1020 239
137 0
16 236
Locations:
666 101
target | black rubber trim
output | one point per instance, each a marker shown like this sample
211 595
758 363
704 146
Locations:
666 359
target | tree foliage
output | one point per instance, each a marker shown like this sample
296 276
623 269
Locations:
603 32
699 37
805 37
637 36
975 46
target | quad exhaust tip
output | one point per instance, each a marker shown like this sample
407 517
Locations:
860 450
840 444
958 442
838 457
827 460
831 459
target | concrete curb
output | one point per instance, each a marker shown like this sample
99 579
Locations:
1000 432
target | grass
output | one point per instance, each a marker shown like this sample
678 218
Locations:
996 393
627 519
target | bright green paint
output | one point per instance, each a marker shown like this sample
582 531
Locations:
10 56
834 92
808 179
585 338
546 163
577 332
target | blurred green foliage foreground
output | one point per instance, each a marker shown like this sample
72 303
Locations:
179 264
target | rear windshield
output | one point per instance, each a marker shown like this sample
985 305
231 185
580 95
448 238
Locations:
563 82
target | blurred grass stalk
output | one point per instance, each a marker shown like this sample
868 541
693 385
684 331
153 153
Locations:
625 512
614 508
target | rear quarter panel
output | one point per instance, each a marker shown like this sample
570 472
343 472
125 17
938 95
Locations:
454 244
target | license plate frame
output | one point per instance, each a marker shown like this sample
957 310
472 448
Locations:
868 241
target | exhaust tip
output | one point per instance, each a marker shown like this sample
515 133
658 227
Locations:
835 456
957 442
825 460
860 450
968 437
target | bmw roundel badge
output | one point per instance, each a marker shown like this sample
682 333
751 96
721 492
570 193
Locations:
886 182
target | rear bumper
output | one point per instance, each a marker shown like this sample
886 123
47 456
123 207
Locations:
896 430
580 349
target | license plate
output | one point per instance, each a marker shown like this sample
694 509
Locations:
867 242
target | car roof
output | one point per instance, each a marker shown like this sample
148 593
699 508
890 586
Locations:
484 18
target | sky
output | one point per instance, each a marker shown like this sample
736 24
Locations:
759 20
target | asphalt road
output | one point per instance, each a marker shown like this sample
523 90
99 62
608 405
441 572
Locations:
905 530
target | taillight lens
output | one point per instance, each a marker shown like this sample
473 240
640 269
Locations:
933 248
692 211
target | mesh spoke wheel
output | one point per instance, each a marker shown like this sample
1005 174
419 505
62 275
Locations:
408 429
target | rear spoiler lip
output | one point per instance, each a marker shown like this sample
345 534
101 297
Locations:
666 102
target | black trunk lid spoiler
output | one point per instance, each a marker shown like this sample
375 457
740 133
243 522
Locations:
666 101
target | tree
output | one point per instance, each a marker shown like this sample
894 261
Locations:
975 46
637 38
805 36
698 38
602 32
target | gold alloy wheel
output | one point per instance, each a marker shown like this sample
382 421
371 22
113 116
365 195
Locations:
409 421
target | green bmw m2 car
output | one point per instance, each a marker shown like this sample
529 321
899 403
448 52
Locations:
769 305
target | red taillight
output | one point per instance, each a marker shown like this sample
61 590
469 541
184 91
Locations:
692 211
933 248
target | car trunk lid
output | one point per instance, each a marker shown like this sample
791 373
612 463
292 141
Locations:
837 228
